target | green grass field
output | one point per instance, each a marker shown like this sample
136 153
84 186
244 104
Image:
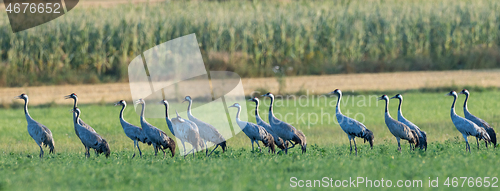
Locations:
241 169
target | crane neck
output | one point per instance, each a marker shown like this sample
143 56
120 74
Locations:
271 106
466 100
121 112
26 113
166 111
75 103
337 108
189 107
257 109
453 105
142 111
386 106
400 102
77 118
238 113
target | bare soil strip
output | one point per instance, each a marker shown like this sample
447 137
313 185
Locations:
308 84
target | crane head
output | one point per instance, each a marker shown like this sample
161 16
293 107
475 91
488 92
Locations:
336 92
398 96
452 93
383 97
22 96
237 105
464 91
140 101
164 102
254 99
121 102
269 94
187 98
71 96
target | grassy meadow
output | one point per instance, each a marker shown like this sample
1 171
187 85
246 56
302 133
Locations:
240 168
96 44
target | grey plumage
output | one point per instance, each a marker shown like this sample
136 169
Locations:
80 121
398 129
284 130
254 132
478 121
90 139
39 132
185 130
352 127
467 127
277 140
422 136
133 132
158 138
207 131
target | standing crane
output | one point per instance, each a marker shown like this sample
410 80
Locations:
133 132
207 131
398 129
39 132
255 132
83 124
422 136
352 127
478 121
467 127
184 130
90 139
284 130
277 140
158 138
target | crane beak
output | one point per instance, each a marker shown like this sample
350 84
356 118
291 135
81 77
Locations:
460 92
117 103
394 97
18 97
381 98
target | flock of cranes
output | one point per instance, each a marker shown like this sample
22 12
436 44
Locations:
276 133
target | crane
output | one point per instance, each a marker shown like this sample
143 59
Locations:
158 138
207 131
184 130
277 140
39 132
398 129
478 121
284 130
90 139
467 127
133 132
352 127
422 136
255 132
83 124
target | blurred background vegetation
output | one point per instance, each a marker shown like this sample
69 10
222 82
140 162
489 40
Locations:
257 38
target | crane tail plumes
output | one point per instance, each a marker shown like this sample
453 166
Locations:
281 144
269 142
423 140
492 135
300 138
368 137
103 147
415 138
168 143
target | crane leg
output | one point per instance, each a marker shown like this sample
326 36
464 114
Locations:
399 145
477 140
41 151
206 149
164 153
258 146
350 144
140 152
156 150
135 144
184 146
252 145
355 147
87 153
